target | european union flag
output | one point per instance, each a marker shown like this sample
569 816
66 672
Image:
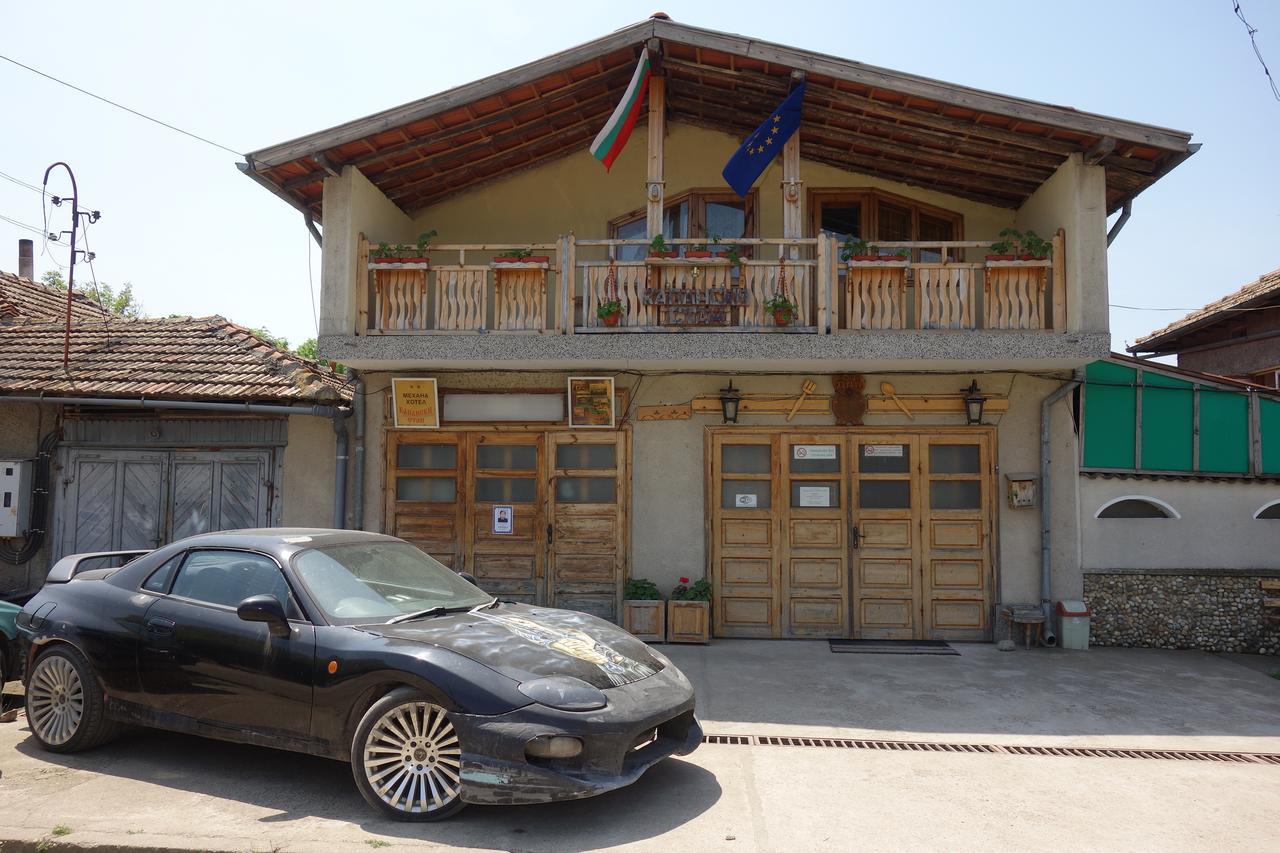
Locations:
755 155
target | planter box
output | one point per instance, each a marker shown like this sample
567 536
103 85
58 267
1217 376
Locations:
647 620
688 621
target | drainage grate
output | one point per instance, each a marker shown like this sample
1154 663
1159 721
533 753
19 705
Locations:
995 749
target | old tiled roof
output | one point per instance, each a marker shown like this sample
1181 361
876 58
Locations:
1251 295
23 301
185 358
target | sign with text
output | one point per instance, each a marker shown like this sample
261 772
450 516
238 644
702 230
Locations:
502 520
706 306
813 451
814 496
415 404
744 501
882 450
591 401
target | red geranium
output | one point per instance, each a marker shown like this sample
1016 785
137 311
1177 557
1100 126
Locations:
684 580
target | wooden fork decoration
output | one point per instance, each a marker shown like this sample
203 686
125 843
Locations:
806 388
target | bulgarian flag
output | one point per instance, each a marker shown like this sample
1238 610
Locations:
617 130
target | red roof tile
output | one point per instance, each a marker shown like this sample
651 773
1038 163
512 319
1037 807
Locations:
25 301
1266 286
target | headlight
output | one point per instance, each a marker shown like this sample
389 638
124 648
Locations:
564 693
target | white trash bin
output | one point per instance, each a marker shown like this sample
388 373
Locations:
1074 619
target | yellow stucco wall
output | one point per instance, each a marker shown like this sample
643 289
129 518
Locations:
576 194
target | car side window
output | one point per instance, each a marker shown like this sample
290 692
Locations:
229 577
159 579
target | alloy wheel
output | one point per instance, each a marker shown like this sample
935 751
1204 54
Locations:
412 758
55 700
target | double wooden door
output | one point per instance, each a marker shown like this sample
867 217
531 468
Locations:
534 516
851 533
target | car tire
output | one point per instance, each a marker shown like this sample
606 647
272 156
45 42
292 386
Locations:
406 758
66 707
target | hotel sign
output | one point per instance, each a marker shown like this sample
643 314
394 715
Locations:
415 404
707 306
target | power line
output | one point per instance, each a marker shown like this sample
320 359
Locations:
121 106
1186 310
33 229
1275 90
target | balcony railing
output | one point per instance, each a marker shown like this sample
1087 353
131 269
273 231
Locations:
941 285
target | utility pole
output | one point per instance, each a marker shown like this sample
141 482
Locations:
71 272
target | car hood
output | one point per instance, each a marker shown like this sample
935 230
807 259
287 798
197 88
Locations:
524 642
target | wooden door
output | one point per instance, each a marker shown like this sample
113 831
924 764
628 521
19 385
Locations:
886 543
506 517
814 549
587 535
742 496
426 492
956 548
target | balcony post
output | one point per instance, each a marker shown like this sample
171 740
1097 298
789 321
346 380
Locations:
1060 281
655 186
567 252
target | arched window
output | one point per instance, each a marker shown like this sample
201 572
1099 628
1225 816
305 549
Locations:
1136 506
1269 511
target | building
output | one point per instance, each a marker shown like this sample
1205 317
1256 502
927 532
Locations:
1236 336
869 466
154 430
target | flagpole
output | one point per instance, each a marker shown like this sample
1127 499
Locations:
655 189
792 186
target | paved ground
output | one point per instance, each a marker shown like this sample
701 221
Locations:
157 790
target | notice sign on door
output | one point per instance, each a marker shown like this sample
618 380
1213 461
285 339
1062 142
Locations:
503 517
882 450
815 496
742 501
415 404
813 451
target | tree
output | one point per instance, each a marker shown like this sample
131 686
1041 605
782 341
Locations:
120 302
277 342
307 349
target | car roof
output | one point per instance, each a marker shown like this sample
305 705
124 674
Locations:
280 539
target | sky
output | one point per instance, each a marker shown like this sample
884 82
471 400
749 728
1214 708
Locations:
196 237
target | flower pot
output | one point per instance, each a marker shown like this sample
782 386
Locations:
864 257
611 320
516 259
665 255
697 253
401 260
1031 257
646 620
688 621
782 318
1000 257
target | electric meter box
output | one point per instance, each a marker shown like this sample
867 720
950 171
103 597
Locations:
15 496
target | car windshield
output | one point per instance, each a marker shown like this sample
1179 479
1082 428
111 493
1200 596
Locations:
365 582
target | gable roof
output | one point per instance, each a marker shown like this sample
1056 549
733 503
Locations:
1256 294
23 301
185 358
970 143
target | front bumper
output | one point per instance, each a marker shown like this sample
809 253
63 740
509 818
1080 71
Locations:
495 769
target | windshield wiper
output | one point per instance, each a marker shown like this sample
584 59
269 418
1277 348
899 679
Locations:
421 614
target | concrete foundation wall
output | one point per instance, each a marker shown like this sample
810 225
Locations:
668 538
307 494
21 427
1216 529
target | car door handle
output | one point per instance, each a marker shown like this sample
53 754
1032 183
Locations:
160 626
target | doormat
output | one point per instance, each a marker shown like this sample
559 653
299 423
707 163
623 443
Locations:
892 647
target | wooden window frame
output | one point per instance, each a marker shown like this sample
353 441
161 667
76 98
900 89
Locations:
869 198
697 198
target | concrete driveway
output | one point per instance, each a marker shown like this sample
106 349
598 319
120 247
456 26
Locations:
161 791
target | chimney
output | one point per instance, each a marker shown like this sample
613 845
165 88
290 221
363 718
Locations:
26 259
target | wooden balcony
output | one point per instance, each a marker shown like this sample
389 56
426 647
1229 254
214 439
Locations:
463 291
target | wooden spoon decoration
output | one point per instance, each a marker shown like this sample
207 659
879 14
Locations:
887 389
806 388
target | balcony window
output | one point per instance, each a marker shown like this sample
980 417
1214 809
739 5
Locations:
697 213
875 215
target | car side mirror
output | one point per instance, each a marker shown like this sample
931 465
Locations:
469 578
268 609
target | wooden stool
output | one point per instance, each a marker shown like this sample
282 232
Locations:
1031 619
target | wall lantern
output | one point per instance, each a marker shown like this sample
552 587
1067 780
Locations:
973 403
729 399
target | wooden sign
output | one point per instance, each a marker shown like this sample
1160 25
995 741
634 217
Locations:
591 401
672 412
850 401
707 306
415 403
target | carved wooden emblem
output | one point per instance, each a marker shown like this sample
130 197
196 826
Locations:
850 401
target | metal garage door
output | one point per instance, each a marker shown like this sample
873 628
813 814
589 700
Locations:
114 499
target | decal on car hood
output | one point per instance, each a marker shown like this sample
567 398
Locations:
575 643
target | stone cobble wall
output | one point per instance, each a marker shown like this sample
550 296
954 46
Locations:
1215 611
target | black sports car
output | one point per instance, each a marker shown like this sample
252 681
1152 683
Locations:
358 647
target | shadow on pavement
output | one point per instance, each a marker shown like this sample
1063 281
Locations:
297 786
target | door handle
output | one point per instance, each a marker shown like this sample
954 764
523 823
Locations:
551 533
854 536
160 626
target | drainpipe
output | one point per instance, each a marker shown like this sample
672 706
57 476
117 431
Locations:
143 403
1125 212
340 470
357 471
1046 556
